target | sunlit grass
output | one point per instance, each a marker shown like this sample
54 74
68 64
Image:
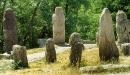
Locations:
61 67
5 65
35 50
90 57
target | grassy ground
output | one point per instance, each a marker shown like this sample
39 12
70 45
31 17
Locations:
4 65
61 67
35 50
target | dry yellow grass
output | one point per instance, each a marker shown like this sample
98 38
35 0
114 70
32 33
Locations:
61 67
35 50
5 65
90 57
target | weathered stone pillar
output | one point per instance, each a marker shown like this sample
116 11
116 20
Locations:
76 53
58 20
125 48
107 46
122 28
41 42
50 50
74 38
19 56
9 29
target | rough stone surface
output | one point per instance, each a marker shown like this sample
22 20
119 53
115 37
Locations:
58 20
122 27
76 53
41 42
104 68
19 56
9 29
107 46
74 38
125 48
50 51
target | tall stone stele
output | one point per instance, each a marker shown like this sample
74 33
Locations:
58 20
107 47
122 28
9 29
19 55
50 51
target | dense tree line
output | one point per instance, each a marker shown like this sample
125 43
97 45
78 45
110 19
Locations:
34 17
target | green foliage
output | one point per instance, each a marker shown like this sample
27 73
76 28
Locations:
72 8
113 6
45 10
87 24
18 65
34 17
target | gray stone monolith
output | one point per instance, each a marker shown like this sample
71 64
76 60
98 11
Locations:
107 46
122 28
9 29
58 20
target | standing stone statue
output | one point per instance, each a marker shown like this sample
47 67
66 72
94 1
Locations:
122 28
58 20
125 48
50 50
19 56
74 38
76 53
9 30
107 46
41 42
